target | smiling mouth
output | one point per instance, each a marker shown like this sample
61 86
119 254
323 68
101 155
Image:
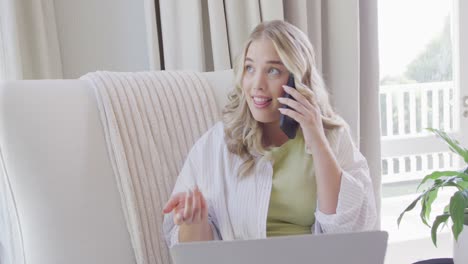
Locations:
260 102
261 99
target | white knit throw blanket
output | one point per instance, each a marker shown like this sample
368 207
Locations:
151 120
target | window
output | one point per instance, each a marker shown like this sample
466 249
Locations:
419 88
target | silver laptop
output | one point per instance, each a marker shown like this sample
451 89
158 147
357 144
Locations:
346 248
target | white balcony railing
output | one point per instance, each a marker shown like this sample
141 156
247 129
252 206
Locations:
409 108
408 150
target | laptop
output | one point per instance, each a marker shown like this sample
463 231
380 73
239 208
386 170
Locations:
345 248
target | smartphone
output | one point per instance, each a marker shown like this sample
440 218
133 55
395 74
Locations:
287 124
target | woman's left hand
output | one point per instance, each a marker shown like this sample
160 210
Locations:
306 111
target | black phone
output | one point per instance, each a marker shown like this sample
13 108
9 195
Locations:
287 124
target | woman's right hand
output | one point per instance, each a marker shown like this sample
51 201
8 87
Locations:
189 208
191 214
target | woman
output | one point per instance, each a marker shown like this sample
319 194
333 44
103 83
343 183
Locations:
245 179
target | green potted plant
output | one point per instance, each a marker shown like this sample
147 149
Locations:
457 208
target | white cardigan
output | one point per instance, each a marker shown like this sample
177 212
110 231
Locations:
238 208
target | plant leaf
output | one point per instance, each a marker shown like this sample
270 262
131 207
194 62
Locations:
454 145
426 205
463 184
463 176
438 220
447 208
458 203
430 195
452 181
409 208
436 175
453 184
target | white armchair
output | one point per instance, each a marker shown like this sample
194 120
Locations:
59 201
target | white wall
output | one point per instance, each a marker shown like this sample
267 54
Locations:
101 35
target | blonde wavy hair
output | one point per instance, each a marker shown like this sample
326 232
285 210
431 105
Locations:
243 134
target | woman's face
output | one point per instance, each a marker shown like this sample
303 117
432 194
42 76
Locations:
263 78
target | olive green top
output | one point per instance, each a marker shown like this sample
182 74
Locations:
293 193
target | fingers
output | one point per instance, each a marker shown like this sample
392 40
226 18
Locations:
173 202
304 104
292 104
191 209
297 95
204 207
178 217
305 96
196 206
188 213
293 114
308 94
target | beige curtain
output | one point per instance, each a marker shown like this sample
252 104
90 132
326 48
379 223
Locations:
369 106
206 35
29 47
11 244
202 35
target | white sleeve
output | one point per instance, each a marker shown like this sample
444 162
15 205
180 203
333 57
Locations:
185 180
356 208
